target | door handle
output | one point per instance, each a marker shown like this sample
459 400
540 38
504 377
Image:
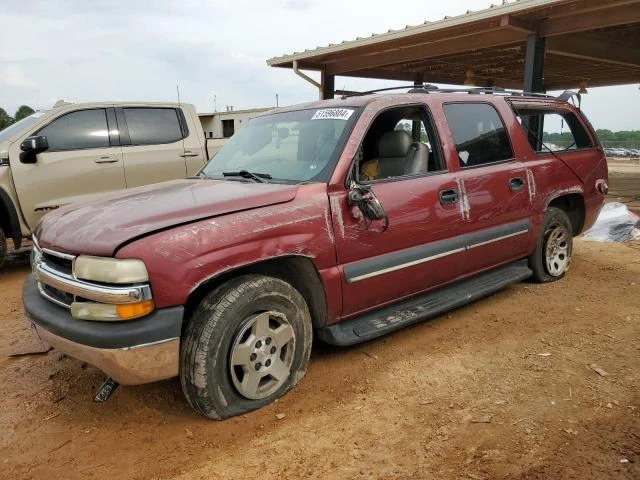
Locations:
449 196
515 184
188 154
107 160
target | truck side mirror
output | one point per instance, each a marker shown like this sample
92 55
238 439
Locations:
362 197
32 146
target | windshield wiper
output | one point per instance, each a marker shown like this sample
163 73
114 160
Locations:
258 177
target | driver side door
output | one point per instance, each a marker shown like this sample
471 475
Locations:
422 247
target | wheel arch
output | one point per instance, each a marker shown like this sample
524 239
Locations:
9 221
573 205
299 271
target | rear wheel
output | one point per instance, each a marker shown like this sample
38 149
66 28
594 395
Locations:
552 257
3 248
248 343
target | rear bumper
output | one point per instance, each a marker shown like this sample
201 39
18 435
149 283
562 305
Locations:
131 352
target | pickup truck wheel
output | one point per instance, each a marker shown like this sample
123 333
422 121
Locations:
550 261
3 248
247 343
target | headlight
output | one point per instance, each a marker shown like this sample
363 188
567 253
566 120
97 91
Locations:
110 270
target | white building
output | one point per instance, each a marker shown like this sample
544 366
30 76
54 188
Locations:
224 124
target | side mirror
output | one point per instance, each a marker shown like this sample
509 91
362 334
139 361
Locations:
362 197
32 146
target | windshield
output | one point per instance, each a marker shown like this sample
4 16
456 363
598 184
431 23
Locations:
296 146
20 125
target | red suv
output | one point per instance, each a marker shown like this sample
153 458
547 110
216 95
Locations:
339 220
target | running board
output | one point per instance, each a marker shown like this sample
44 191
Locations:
388 319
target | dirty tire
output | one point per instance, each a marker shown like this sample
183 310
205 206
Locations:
552 256
3 248
223 324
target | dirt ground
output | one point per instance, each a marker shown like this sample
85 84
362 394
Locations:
535 382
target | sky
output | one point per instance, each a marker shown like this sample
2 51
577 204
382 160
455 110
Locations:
82 51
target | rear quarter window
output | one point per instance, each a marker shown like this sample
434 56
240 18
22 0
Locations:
552 129
478 132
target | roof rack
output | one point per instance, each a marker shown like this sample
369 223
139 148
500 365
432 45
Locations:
429 88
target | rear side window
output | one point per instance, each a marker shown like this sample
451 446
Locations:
149 126
551 129
478 132
78 130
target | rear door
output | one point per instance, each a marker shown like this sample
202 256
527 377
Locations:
493 185
153 144
83 161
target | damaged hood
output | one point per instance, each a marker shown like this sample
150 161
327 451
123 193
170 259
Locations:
100 227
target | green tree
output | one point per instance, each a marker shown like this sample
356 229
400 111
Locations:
22 112
5 119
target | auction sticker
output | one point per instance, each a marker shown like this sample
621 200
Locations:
332 114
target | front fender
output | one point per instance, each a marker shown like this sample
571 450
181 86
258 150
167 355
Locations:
181 259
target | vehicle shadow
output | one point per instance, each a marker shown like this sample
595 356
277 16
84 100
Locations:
16 260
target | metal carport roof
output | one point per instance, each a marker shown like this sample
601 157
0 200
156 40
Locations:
569 41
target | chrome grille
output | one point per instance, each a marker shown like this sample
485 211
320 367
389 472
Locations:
56 282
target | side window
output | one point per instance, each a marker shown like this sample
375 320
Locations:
552 129
78 130
400 142
478 132
149 126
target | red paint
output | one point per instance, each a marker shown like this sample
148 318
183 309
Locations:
190 231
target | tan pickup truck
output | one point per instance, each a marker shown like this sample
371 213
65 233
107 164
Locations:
77 152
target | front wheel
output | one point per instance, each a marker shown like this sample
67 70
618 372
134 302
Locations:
247 343
552 256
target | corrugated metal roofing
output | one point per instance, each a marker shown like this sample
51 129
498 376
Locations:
515 6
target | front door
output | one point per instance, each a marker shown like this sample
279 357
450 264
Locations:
421 247
80 164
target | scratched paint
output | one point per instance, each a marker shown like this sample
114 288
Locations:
465 208
327 219
337 212
532 185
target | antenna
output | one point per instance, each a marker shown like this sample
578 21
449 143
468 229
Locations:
277 105
215 104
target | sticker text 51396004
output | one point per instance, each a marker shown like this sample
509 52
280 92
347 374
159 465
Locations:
332 114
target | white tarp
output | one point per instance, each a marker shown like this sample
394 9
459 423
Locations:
614 224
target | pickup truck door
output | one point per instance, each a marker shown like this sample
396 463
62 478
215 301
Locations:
83 162
156 145
421 248
493 186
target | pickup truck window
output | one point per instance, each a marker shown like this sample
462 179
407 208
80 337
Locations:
153 126
296 146
552 129
478 132
78 130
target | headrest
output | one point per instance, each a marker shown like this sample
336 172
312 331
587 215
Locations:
395 143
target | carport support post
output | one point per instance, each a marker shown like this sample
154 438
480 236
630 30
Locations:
328 88
533 83
534 64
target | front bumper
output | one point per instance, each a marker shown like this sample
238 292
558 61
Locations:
131 352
